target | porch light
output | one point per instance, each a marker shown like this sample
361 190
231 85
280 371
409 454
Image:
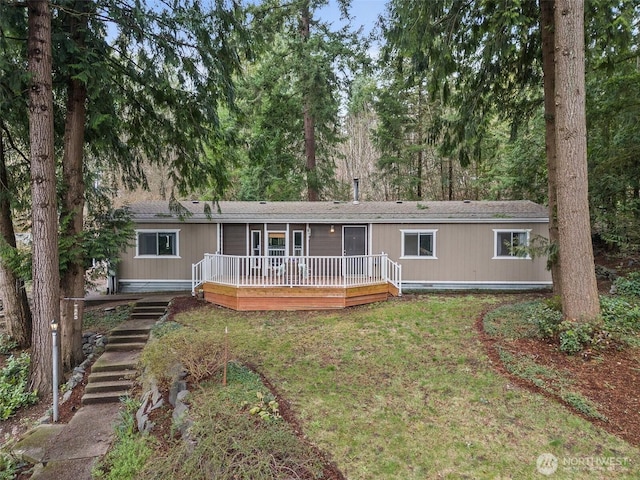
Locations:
332 230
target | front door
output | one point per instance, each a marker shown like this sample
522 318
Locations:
355 244
355 240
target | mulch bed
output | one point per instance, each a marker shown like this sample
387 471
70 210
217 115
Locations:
610 379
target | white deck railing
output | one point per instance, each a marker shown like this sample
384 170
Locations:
302 271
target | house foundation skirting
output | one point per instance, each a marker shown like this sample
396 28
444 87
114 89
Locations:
417 286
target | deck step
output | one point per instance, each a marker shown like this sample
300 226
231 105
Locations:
104 397
111 375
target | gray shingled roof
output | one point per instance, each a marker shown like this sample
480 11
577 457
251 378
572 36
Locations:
340 212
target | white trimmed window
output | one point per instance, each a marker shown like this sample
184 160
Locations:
157 243
506 243
418 243
298 242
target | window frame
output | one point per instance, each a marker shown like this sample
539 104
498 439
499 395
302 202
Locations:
298 247
280 250
419 231
172 231
498 231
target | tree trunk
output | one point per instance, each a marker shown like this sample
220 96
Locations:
309 120
15 305
580 299
548 69
72 278
310 153
46 278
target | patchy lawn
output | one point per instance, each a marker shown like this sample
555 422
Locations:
411 389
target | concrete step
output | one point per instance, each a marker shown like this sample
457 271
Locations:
154 310
119 339
134 327
150 307
110 376
152 303
107 387
131 329
145 316
110 361
104 397
124 347
124 332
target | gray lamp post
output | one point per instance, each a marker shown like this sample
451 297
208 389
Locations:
54 361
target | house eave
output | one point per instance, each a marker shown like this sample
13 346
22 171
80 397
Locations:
337 220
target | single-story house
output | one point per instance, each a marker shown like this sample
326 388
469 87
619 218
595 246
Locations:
279 250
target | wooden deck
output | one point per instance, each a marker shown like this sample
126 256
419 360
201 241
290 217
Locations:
252 298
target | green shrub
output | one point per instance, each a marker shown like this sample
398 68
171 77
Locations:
13 386
619 315
582 405
546 319
9 466
200 353
628 286
7 344
554 303
575 336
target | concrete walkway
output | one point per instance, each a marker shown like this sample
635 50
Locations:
71 450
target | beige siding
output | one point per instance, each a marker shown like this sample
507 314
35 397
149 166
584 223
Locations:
324 243
464 253
234 239
193 241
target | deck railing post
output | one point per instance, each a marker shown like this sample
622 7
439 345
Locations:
384 268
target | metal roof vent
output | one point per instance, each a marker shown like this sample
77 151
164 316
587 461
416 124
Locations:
356 191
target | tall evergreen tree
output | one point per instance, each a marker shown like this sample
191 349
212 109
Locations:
44 222
152 90
14 168
293 96
485 58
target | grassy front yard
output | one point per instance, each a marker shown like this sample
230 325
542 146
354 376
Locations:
405 390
